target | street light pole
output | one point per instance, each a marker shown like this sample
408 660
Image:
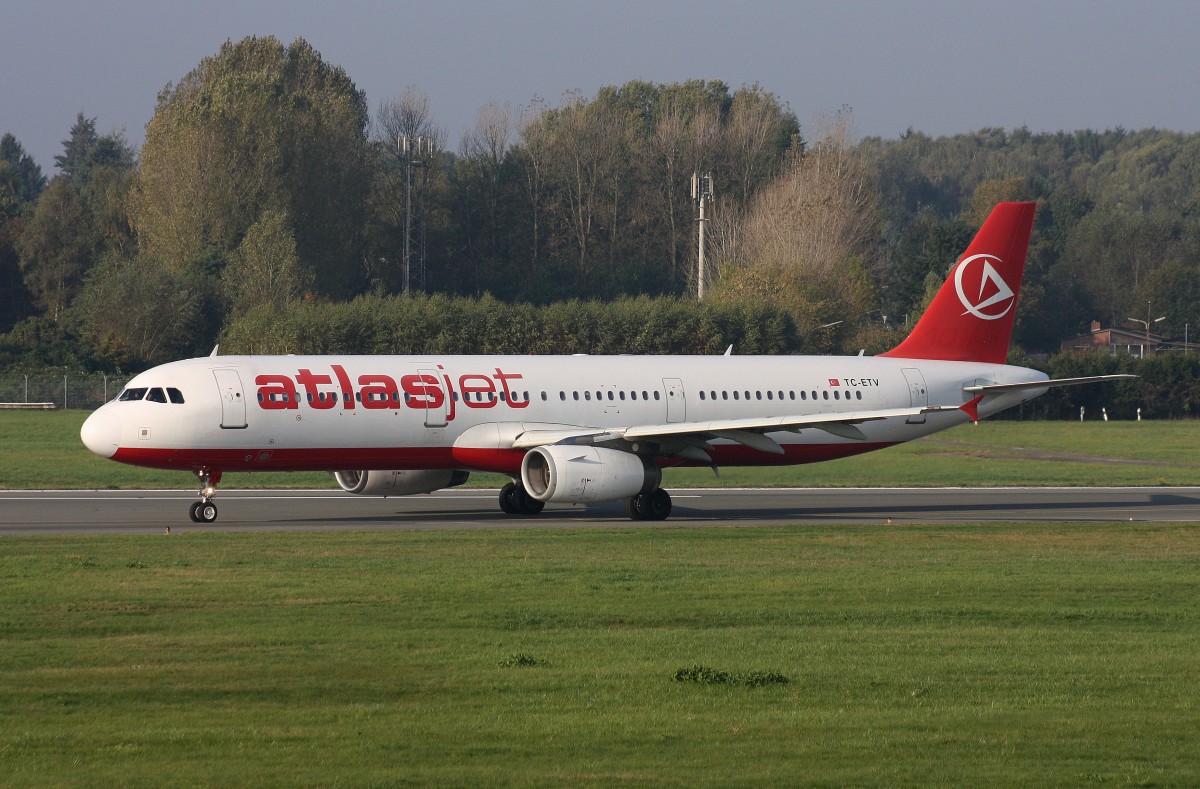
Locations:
1147 324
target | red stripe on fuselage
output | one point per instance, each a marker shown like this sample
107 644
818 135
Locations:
504 461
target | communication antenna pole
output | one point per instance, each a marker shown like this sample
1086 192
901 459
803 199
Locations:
411 150
702 191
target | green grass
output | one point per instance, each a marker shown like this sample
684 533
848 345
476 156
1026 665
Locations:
41 450
997 655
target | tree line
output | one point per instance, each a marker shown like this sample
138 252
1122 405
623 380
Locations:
267 193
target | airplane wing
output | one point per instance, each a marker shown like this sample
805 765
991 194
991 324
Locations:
1050 383
690 439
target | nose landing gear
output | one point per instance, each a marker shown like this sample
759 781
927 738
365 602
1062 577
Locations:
204 511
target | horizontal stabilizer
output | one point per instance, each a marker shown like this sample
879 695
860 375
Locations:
1047 384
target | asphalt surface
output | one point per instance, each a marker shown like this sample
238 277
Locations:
112 512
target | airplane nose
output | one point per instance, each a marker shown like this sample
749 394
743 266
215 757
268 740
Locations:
101 432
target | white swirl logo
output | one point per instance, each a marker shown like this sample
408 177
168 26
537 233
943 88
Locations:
989 280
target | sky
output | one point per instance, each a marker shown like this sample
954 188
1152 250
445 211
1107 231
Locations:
937 66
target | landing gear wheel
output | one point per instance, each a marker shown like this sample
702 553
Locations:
206 512
653 506
526 504
508 499
635 507
194 511
515 500
658 505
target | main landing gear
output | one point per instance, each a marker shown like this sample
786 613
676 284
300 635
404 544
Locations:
652 506
204 511
515 500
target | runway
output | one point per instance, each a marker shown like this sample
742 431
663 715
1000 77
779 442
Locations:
146 512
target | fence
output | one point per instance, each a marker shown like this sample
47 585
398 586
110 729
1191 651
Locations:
65 391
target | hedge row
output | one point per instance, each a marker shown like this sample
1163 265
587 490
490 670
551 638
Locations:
450 325
1167 387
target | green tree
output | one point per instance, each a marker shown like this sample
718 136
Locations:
258 127
80 217
57 246
21 183
139 313
21 178
264 268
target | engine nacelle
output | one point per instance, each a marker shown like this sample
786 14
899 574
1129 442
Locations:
398 483
580 474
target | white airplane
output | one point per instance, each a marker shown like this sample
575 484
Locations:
578 429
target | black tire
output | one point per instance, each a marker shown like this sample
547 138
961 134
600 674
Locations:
194 511
508 499
635 507
526 504
206 512
658 505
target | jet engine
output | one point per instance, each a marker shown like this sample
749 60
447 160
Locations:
578 474
397 483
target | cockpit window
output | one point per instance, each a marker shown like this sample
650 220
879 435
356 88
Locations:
132 394
175 395
157 395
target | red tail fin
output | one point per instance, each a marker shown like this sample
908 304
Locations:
971 317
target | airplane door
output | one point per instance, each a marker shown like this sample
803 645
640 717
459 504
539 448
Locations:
676 405
918 393
435 415
233 402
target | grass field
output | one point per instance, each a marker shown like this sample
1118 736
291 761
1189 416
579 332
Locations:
997 655
41 450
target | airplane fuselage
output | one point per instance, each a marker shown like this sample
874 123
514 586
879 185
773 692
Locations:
260 413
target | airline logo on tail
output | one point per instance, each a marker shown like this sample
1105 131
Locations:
993 292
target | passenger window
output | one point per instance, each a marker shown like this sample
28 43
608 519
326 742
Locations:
587 394
656 397
130 395
175 395
701 394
